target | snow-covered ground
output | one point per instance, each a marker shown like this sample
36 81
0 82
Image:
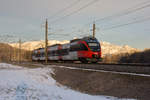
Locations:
18 83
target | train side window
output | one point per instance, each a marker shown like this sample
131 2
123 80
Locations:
78 47
49 53
72 48
42 54
83 47
53 53
56 52
33 54
37 55
75 47
65 52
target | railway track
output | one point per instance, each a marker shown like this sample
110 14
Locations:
128 68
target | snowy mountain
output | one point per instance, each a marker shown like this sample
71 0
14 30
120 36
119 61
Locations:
107 48
31 45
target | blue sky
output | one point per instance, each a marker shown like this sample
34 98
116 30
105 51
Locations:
25 19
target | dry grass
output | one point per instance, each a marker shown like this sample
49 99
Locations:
96 83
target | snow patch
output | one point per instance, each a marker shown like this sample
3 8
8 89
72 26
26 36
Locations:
36 84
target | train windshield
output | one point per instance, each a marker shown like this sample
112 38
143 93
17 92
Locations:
94 46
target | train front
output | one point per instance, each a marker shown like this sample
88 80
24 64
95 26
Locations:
93 54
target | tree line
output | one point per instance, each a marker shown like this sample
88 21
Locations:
9 53
137 57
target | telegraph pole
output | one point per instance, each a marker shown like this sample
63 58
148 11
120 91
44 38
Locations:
19 50
94 30
10 53
46 41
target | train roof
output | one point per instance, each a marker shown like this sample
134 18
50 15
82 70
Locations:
38 48
85 39
74 40
48 46
54 45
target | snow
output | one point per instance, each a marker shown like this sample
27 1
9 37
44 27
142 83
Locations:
18 83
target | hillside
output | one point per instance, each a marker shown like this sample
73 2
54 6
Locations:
3 49
10 53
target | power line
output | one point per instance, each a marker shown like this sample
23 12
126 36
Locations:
126 12
76 11
126 24
64 9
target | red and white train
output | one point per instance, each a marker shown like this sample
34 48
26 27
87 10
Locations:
86 50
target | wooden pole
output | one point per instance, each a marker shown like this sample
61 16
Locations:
94 30
19 50
46 41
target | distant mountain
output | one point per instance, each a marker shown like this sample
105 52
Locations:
31 45
107 48
110 49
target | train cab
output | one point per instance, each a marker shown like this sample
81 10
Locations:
88 49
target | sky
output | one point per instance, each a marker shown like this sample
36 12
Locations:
67 19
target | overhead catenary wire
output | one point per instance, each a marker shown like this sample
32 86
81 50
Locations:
126 11
76 11
64 9
126 24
